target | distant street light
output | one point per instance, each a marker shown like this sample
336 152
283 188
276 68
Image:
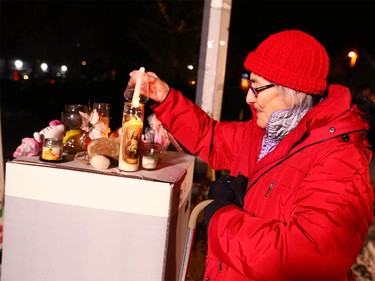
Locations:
245 82
44 67
18 64
353 58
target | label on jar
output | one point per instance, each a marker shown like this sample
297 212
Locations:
130 150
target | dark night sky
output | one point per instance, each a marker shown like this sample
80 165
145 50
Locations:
339 25
53 28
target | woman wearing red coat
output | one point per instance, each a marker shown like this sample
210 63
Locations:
308 202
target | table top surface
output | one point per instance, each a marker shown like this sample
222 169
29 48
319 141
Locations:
171 166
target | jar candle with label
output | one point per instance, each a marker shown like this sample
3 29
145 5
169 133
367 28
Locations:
130 145
52 150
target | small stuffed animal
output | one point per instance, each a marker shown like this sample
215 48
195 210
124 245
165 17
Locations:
32 146
28 147
54 130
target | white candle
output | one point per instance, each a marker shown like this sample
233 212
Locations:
135 100
130 145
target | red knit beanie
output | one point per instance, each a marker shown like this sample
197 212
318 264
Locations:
293 59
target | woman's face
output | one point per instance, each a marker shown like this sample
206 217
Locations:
267 102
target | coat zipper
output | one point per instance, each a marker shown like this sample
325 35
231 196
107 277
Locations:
269 189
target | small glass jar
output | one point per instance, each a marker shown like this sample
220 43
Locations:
74 139
150 155
52 150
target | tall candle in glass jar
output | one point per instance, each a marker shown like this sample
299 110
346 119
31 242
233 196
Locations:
130 147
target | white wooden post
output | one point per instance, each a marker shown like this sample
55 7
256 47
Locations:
212 60
213 56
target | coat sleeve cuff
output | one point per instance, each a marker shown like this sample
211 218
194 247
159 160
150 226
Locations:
155 103
210 210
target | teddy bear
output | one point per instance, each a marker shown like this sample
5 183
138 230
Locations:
32 146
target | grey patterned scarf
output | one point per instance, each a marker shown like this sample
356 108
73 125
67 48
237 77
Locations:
281 122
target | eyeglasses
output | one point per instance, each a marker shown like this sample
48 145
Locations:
257 90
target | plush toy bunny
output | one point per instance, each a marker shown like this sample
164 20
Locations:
32 146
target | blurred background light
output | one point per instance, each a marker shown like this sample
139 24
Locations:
18 64
44 67
353 58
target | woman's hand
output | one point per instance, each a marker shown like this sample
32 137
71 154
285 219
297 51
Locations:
157 88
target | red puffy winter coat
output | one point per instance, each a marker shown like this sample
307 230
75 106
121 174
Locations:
308 207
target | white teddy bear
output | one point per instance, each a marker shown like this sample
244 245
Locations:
32 146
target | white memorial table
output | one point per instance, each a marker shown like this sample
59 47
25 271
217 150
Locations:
69 221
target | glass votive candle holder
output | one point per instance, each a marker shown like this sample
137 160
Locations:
52 150
150 155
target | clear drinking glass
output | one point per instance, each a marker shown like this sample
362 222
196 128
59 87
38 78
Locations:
143 88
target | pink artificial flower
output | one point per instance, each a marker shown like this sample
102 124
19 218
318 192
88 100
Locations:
92 124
